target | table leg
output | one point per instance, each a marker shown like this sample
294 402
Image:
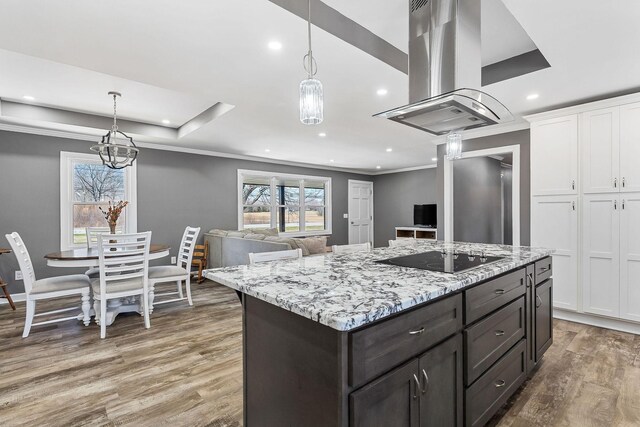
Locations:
7 295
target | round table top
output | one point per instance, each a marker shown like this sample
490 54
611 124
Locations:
92 254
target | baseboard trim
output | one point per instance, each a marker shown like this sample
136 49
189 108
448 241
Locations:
601 322
21 297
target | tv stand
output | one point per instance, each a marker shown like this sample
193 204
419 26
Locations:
416 232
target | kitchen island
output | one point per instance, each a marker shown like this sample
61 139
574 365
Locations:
339 340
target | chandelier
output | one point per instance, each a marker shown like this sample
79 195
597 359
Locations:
311 102
116 149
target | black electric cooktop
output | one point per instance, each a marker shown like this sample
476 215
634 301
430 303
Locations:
444 262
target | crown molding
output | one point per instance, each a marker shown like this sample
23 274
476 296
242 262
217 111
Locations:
587 106
409 169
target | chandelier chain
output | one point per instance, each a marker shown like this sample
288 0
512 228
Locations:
115 125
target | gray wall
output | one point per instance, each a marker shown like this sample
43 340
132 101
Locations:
394 196
477 200
174 190
521 138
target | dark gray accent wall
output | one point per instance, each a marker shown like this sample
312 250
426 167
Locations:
394 196
174 190
477 200
521 138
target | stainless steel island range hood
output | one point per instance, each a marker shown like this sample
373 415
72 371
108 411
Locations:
444 63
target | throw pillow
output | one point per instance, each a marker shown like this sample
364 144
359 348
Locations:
300 245
254 236
315 245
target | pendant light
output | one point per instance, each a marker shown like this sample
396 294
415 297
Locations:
311 102
454 146
116 149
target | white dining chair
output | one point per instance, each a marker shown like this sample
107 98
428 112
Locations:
175 273
274 256
51 287
124 269
92 242
348 249
403 243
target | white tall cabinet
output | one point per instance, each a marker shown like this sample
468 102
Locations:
585 203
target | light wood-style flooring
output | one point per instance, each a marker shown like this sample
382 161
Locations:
187 370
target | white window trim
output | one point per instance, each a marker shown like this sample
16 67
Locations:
66 181
274 177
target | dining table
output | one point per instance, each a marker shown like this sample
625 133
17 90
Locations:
89 258
4 285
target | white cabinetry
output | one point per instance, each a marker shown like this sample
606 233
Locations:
630 257
554 224
600 140
554 161
630 147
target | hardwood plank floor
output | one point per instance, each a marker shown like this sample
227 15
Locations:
187 370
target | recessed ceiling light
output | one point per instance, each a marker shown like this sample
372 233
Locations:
389 150
322 134
29 97
266 150
378 167
275 45
434 159
532 96
382 92
331 161
166 122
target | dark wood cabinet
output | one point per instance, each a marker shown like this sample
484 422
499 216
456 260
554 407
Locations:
544 317
441 385
391 400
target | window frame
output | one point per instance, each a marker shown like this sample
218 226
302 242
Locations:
67 159
273 178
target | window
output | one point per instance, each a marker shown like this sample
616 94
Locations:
295 205
86 185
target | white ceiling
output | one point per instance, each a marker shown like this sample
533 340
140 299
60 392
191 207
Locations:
173 59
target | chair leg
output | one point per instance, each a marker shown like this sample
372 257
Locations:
152 294
96 310
31 311
86 308
187 285
180 294
103 317
7 295
145 298
200 278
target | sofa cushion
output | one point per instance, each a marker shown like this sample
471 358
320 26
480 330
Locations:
265 231
240 234
315 245
254 236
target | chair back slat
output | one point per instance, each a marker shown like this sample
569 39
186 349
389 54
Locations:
93 233
24 260
123 257
348 249
274 256
187 247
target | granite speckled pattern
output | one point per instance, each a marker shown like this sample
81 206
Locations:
347 291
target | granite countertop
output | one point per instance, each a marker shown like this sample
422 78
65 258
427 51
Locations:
347 291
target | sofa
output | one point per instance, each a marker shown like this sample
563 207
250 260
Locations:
230 247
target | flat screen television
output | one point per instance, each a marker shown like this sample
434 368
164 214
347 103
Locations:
425 215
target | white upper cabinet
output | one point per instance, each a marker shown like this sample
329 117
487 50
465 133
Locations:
630 147
630 257
554 224
601 254
554 156
600 141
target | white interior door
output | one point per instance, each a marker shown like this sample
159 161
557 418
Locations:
600 141
601 254
630 147
360 212
630 257
554 224
554 156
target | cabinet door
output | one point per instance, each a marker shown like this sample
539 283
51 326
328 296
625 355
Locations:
601 254
554 224
600 141
530 309
630 257
392 400
554 156
543 318
630 147
442 391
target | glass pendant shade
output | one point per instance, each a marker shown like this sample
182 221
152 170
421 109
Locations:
454 146
311 102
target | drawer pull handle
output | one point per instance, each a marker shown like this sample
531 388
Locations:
499 291
500 383
416 386
499 333
417 332
530 275
538 300
426 382
544 269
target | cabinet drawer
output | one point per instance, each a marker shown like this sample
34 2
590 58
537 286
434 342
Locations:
491 295
544 269
495 387
489 339
378 348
